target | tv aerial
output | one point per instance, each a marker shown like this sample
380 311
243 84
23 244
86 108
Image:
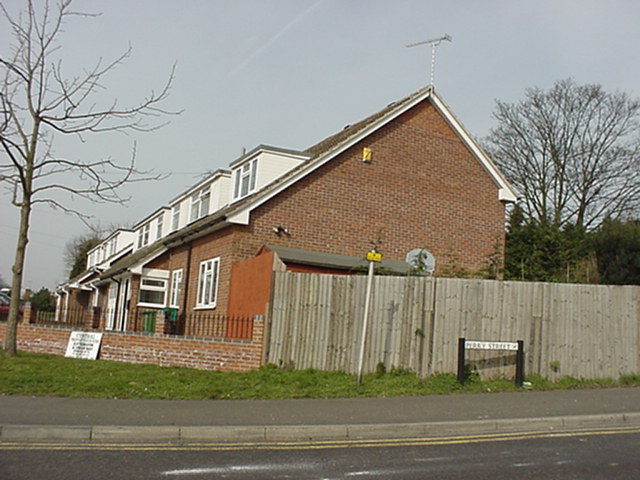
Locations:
421 261
434 42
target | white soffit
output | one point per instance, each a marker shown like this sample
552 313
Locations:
506 193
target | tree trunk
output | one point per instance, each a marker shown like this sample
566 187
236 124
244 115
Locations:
10 345
11 339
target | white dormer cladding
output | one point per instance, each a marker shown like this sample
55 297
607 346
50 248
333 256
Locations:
152 228
204 198
109 248
260 167
249 173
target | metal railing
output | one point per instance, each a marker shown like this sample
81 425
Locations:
208 325
76 317
193 324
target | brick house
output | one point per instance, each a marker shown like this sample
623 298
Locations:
409 176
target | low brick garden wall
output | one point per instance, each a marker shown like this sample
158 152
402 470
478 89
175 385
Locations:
152 348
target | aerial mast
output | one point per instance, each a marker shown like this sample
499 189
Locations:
434 43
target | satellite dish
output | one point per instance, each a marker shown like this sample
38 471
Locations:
421 261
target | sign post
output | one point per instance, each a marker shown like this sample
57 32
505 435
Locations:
518 347
372 257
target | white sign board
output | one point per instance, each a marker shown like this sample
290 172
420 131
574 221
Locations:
480 345
84 345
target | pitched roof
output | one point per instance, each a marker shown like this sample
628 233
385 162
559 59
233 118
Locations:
332 146
350 130
322 152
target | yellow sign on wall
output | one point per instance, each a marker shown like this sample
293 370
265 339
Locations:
366 154
374 257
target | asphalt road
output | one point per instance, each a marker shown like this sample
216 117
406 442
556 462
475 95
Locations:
588 454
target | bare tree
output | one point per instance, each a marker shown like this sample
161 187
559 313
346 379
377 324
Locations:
572 151
38 103
76 250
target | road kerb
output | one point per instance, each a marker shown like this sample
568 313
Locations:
223 434
303 433
135 433
41 432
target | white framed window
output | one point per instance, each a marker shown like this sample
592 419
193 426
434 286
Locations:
152 292
245 181
175 223
208 283
200 203
176 288
159 226
143 236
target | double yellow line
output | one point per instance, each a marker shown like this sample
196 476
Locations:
317 445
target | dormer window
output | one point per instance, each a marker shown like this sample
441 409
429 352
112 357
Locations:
143 236
175 223
245 179
200 203
159 226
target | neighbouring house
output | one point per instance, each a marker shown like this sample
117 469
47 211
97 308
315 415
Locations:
409 176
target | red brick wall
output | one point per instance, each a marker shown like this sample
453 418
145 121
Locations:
209 354
423 188
218 244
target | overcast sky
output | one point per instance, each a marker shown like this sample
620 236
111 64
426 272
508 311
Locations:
289 73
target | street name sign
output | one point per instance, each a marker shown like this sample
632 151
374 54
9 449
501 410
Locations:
481 345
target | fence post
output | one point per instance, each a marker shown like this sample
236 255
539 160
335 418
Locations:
160 321
461 347
91 318
266 336
520 364
259 336
29 313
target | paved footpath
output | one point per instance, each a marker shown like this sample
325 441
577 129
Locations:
44 418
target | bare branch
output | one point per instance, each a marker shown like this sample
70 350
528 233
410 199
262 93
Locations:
39 102
571 151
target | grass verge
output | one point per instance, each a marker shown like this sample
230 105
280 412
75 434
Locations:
50 375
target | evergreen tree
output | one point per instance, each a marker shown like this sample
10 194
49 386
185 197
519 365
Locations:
542 252
43 300
617 247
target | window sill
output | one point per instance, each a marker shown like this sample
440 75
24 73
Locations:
205 307
150 305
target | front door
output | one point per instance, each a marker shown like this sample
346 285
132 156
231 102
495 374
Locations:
111 306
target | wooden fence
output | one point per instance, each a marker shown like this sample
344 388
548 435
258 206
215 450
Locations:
584 331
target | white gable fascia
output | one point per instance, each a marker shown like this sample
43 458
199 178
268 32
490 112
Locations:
80 283
137 268
242 216
506 193
156 273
